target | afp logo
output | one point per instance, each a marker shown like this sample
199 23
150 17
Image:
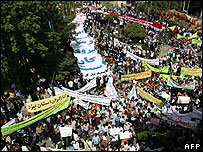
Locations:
192 146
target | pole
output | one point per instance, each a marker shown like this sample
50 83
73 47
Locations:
151 7
169 5
188 4
184 6
181 6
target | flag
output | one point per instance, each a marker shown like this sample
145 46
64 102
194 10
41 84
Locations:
132 93
110 90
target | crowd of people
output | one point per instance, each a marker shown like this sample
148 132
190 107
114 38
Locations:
132 115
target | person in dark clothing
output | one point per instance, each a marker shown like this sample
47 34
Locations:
54 137
98 82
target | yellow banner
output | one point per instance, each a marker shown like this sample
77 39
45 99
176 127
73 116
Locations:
45 103
136 76
172 28
149 97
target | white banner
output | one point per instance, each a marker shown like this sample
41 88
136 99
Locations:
65 131
150 61
88 86
89 61
83 104
11 122
183 100
90 98
110 91
132 93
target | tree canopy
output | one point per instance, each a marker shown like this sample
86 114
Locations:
33 34
111 17
135 32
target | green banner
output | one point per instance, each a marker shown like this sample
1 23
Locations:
162 70
53 110
181 86
195 41
192 72
165 77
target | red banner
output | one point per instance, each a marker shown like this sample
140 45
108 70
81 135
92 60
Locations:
152 24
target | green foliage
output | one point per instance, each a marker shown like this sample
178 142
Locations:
111 17
135 32
27 40
67 66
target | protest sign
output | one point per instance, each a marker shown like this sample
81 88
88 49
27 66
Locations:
192 72
136 76
45 103
161 70
114 131
149 97
65 131
182 86
183 100
56 108
124 135
165 96
155 121
149 61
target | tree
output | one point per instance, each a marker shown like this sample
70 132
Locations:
110 17
135 32
67 66
33 33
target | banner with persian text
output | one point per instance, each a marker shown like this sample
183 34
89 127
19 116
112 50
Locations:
53 110
136 76
182 19
172 83
45 103
89 60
